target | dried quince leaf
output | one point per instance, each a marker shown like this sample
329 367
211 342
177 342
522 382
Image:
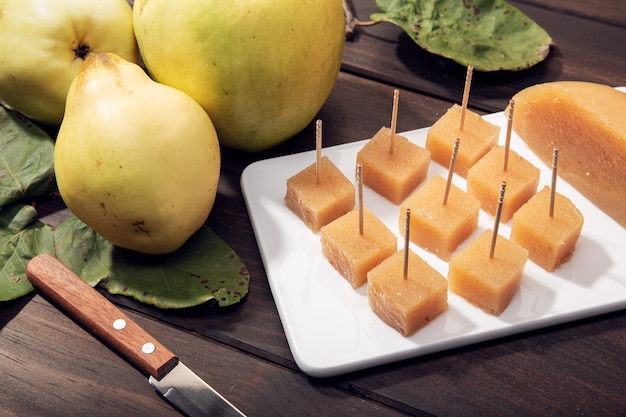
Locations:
21 238
205 268
26 158
490 35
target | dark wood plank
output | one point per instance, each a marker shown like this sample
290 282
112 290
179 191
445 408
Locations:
572 369
569 370
585 50
580 361
53 367
606 11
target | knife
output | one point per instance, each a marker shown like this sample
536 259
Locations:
170 377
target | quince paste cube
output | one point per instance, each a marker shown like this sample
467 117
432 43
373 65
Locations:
395 174
406 304
486 282
476 139
550 241
319 203
485 178
353 255
437 228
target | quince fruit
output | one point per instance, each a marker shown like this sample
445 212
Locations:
137 161
44 42
262 69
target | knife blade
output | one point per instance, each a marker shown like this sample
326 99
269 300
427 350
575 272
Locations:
168 375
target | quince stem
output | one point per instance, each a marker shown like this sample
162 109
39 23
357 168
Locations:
351 21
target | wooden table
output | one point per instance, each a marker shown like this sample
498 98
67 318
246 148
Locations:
50 366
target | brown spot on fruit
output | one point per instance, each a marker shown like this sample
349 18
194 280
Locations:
139 226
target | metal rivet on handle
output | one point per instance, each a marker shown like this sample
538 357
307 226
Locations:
119 324
148 348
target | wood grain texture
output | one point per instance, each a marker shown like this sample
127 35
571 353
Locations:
605 11
99 315
583 52
52 367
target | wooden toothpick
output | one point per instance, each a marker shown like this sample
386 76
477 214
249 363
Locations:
496 225
359 183
509 128
394 119
455 150
407 230
555 163
318 150
466 91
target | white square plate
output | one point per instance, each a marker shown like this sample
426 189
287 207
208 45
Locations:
330 327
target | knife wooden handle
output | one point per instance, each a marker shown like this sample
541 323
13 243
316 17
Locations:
99 315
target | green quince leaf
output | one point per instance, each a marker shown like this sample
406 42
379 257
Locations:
204 269
26 158
21 238
490 35
83 250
